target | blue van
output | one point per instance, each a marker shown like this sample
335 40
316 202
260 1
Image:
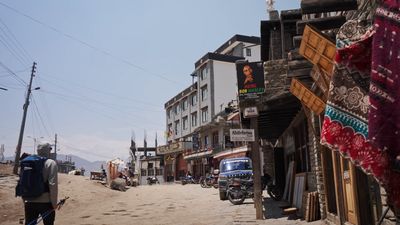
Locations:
233 168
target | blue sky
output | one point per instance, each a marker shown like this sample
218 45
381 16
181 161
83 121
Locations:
106 68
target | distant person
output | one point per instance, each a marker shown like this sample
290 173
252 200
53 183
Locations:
249 81
45 200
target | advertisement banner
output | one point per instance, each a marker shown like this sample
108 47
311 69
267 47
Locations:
250 79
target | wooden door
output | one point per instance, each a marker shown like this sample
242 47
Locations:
347 171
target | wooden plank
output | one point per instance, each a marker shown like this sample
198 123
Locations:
321 6
287 183
307 97
300 186
318 49
289 211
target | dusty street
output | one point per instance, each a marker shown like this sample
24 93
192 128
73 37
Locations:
92 203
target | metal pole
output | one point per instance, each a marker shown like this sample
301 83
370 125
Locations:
21 132
255 157
55 147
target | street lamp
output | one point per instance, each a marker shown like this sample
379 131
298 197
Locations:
34 142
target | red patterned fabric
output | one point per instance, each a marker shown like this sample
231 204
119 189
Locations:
384 115
345 126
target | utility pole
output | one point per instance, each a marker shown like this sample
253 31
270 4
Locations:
255 157
21 132
55 147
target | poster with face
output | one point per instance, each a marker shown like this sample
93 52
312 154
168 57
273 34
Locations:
250 79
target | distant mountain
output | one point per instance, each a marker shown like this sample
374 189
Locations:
81 162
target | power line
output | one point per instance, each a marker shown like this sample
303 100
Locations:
16 77
85 151
99 91
40 117
122 60
98 103
12 52
16 41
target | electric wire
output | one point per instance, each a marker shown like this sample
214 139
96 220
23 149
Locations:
88 152
93 47
44 105
25 52
40 117
12 51
16 77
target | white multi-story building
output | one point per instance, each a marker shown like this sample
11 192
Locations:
215 87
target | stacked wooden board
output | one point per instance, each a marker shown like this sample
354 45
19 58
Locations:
311 211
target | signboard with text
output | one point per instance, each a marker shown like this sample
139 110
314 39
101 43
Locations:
242 134
250 79
250 112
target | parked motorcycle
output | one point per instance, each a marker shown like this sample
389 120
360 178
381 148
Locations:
274 191
152 180
188 180
210 181
240 189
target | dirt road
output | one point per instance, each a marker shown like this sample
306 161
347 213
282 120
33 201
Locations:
92 203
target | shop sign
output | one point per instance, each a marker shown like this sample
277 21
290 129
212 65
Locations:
250 112
242 134
250 79
171 148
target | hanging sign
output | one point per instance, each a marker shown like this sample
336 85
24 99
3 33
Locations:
242 134
250 79
250 112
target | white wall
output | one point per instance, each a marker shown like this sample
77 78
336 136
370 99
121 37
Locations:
225 84
255 52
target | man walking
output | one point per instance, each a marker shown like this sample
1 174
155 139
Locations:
46 203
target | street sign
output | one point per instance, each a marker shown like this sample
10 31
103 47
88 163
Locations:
242 134
250 112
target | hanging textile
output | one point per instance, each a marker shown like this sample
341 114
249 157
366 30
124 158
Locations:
384 115
345 126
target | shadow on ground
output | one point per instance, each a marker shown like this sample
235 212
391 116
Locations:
272 210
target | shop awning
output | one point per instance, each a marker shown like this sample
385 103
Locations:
198 155
230 152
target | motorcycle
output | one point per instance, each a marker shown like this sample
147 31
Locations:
152 180
240 189
187 180
210 181
273 191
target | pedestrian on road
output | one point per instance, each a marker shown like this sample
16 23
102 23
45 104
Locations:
47 201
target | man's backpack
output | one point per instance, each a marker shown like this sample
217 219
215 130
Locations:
31 183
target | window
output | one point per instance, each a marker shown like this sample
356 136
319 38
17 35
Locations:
159 172
169 131
143 172
176 109
169 113
176 126
184 123
215 138
150 165
248 51
193 99
150 172
184 104
204 114
194 119
204 93
203 73
206 141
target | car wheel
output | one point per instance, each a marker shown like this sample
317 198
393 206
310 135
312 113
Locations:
222 195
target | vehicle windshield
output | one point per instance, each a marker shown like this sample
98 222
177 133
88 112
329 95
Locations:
240 164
